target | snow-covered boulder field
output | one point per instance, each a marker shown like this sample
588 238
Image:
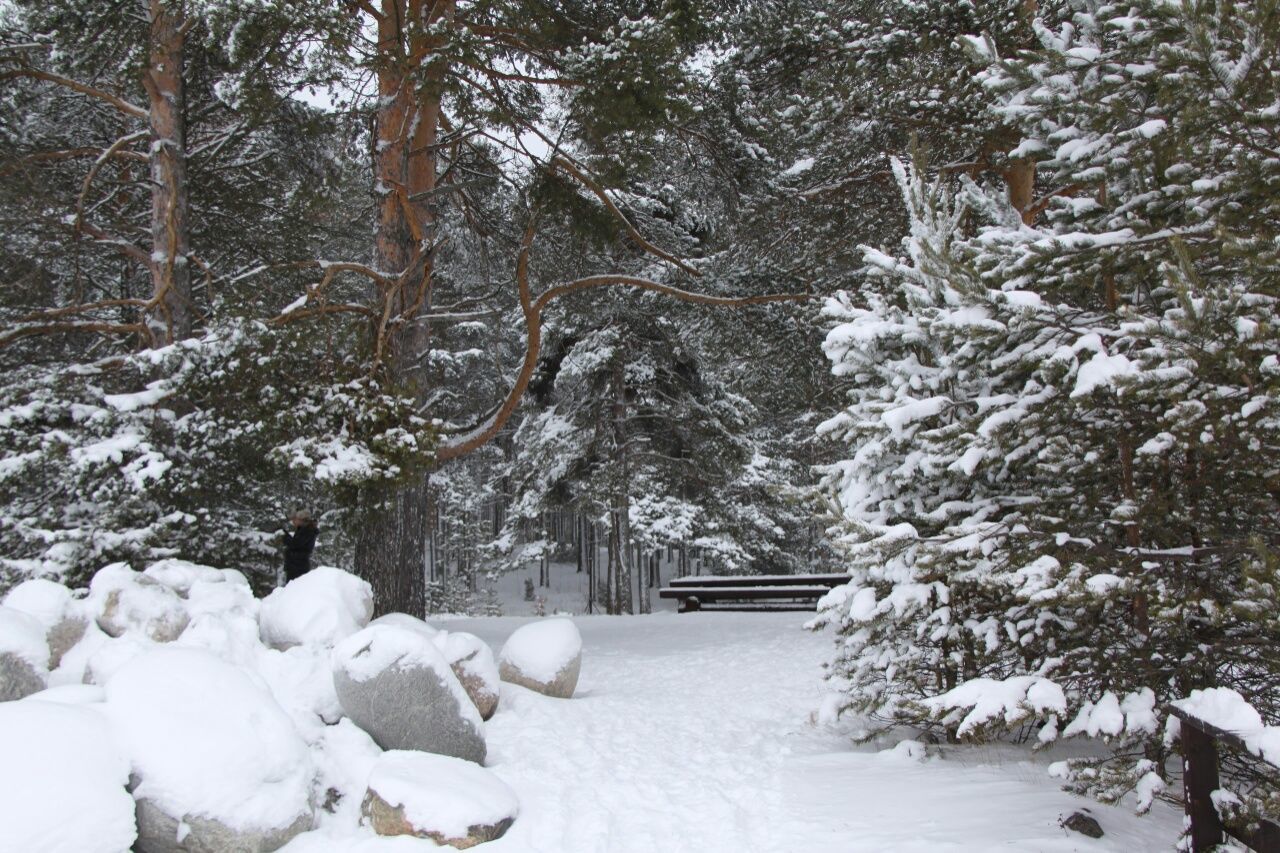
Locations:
544 656
448 800
171 710
395 684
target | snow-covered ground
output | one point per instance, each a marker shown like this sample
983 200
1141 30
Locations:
692 733
686 732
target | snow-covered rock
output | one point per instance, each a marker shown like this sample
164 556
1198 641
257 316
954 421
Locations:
24 654
63 781
218 764
345 756
56 608
73 667
397 686
70 694
181 575
123 600
472 661
323 607
448 800
544 656
108 655
469 657
409 623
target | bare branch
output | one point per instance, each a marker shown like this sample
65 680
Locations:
66 154
115 149
21 332
119 103
569 168
118 243
667 290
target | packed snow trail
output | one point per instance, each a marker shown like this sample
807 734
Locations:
693 733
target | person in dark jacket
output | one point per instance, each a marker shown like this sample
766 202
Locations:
298 545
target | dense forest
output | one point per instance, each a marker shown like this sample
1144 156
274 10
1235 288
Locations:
975 301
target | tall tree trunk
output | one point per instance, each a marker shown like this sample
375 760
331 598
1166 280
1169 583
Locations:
589 535
622 497
390 549
172 317
613 604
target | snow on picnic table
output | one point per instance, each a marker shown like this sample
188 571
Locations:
692 733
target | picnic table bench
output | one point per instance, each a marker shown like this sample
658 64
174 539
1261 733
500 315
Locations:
751 592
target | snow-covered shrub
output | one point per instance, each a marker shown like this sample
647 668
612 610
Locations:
1064 420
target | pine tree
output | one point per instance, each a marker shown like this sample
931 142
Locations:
1086 384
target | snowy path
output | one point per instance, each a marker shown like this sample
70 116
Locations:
690 733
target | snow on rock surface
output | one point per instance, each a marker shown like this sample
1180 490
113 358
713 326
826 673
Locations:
24 654
56 608
448 800
63 780
71 694
1229 711
218 762
544 656
409 623
323 607
123 600
473 662
396 685
469 657
181 575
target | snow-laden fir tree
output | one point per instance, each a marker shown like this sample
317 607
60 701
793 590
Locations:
1064 416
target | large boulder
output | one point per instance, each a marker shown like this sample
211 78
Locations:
63 781
24 655
124 601
450 801
469 657
544 656
397 686
217 764
321 608
161 832
55 607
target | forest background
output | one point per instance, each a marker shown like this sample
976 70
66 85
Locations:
507 281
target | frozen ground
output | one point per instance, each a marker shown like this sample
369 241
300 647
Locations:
691 733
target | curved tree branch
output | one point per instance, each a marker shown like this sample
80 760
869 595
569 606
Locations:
563 164
482 433
119 103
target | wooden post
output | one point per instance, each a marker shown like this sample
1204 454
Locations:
1200 780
